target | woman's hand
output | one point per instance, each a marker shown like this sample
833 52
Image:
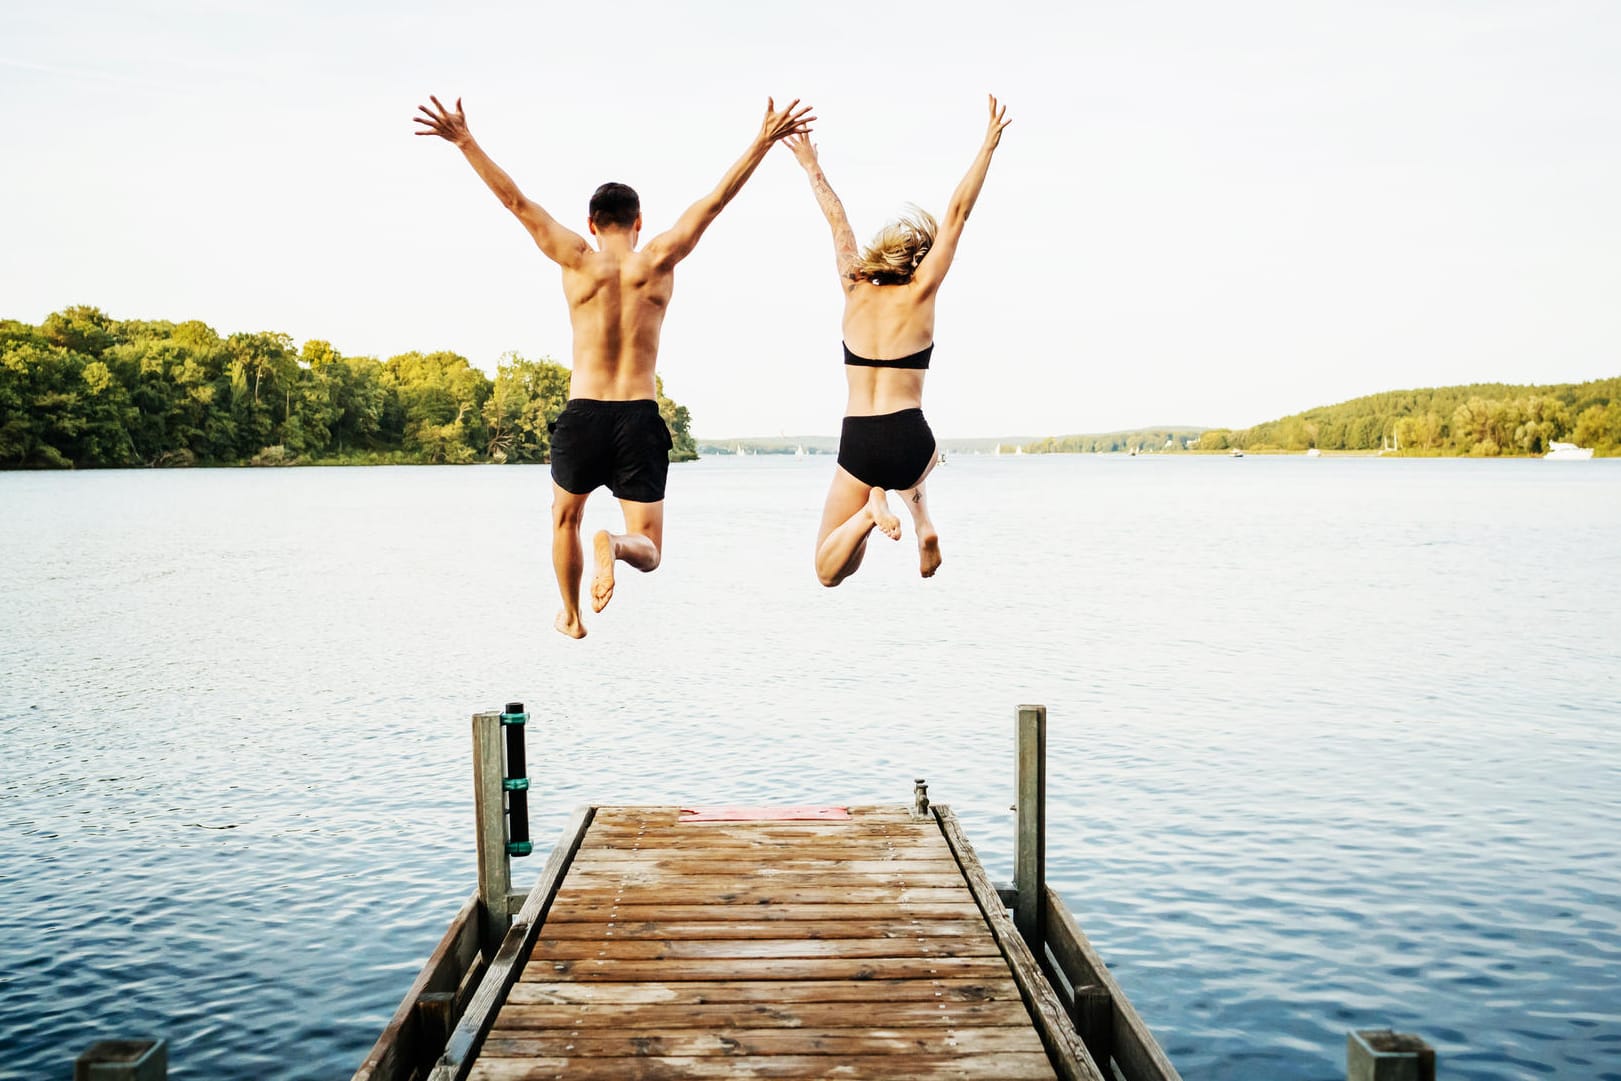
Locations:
998 121
804 151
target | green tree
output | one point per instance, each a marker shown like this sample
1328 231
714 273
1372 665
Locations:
441 398
1599 427
526 397
683 447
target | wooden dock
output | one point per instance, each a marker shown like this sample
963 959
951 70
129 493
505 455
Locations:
827 942
765 948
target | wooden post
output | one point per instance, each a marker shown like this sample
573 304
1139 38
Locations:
1030 857
123 1060
920 799
494 865
1383 1055
1092 1010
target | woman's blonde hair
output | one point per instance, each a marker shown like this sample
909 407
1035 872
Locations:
899 247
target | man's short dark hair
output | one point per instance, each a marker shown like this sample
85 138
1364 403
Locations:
615 205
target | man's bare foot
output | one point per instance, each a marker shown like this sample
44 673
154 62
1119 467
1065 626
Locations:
571 627
878 507
602 583
928 553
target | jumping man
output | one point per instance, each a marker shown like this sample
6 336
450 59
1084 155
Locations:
611 433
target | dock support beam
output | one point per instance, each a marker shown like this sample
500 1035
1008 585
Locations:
1383 1055
494 865
1030 856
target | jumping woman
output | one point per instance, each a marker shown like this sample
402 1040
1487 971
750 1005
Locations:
889 293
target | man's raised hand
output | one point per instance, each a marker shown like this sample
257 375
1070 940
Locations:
440 121
792 120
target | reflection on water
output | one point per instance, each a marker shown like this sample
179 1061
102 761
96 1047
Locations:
1334 743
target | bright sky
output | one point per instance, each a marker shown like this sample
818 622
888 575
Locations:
1204 213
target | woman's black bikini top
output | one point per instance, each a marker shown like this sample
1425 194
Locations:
919 359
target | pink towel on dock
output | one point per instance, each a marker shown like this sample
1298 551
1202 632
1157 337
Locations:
763 814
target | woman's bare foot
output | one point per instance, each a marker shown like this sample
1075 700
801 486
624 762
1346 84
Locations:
928 553
569 626
882 517
602 583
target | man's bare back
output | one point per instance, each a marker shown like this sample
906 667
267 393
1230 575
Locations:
617 300
611 432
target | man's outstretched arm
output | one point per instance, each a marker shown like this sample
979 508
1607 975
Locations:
671 247
561 245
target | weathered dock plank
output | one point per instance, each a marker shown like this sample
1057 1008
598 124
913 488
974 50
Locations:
751 948
719 1017
696 991
985 1067
637 912
798 968
765 1041
662 930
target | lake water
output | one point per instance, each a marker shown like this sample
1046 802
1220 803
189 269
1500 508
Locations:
1334 743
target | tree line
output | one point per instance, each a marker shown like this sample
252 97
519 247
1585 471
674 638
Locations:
86 390
1141 440
1480 420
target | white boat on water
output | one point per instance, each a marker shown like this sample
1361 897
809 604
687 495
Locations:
1313 452
1236 453
1568 452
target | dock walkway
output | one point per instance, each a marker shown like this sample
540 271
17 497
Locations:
769 948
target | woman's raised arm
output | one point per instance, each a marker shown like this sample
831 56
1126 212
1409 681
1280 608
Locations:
844 240
932 271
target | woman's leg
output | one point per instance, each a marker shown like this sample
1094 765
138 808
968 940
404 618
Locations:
850 513
928 538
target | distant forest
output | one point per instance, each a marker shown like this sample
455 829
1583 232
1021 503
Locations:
1140 439
86 390
1485 420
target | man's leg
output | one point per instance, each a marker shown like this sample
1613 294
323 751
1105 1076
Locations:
928 538
641 545
567 558
851 512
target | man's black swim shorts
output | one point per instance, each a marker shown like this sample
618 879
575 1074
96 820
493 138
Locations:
624 445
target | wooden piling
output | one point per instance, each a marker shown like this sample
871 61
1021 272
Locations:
494 865
123 1060
1030 857
1383 1055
